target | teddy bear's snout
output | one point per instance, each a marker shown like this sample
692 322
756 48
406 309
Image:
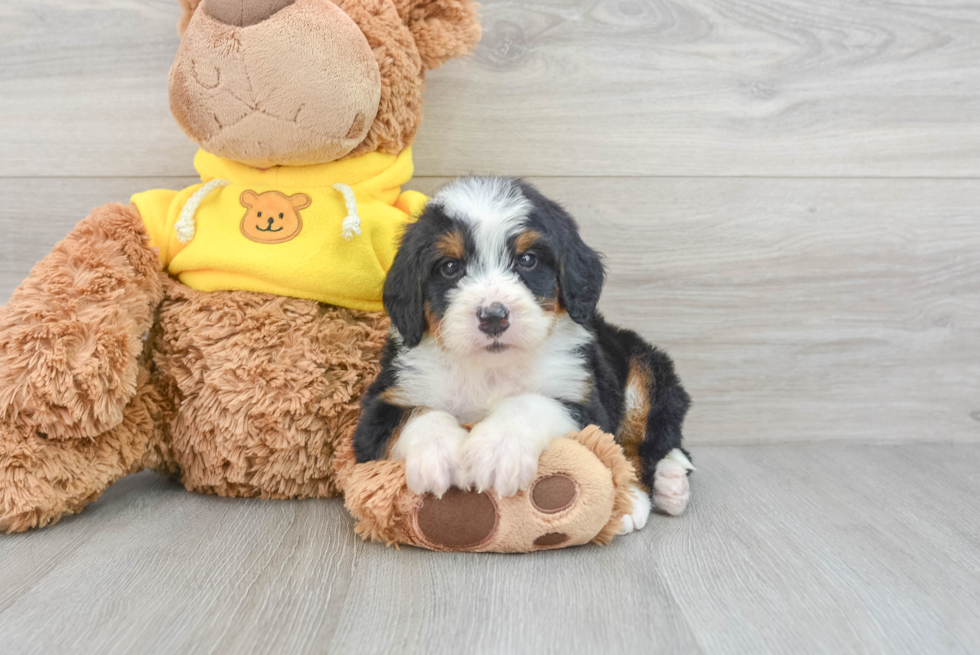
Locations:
311 98
242 13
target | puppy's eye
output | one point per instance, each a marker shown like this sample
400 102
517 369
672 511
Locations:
451 269
527 261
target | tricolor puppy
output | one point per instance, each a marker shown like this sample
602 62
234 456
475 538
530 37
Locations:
492 299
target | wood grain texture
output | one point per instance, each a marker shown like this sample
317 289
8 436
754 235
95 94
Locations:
37 213
797 310
583 88
817 549
720 153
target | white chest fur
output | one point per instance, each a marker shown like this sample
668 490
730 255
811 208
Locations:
469 390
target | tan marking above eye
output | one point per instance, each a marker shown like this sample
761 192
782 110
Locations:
526 239
451 245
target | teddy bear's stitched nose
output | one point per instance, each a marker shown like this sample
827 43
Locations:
243 13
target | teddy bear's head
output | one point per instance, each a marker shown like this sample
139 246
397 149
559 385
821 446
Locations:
269 82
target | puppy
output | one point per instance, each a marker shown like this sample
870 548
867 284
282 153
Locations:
492 299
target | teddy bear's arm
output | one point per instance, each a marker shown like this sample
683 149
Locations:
72 333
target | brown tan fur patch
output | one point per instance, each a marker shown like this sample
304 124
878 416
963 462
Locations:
551 305
632 429
525 240
451 245
394 396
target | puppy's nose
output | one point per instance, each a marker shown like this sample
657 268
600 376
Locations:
243 13
493 319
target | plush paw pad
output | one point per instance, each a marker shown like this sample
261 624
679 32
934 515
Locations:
458 520
551 539
553 493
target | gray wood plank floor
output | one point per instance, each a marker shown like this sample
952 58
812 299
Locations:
806 548
787 195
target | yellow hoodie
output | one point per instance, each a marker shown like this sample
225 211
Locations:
326 232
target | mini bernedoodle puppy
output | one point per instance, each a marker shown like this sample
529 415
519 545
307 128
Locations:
492 298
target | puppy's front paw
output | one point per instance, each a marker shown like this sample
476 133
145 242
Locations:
430 446
637 517
496 457
432 467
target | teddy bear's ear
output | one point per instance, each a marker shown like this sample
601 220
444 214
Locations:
188 6
443 29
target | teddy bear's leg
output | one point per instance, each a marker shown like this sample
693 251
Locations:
74 396
72 333
44 479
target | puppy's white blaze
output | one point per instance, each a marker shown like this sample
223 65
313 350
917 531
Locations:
468 389
495 208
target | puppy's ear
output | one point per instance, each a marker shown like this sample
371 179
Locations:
442 29
580 278
403 298
580 270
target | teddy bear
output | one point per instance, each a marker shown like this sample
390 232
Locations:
224 333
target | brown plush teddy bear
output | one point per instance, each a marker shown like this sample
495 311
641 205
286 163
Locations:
224 333
175 332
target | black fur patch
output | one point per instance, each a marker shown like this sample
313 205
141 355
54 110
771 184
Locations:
415 281
579 267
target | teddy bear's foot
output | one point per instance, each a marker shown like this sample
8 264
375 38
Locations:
572 501
580 495
671 490
544 516
467 520
43 479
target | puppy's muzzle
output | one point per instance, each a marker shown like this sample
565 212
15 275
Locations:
493 319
